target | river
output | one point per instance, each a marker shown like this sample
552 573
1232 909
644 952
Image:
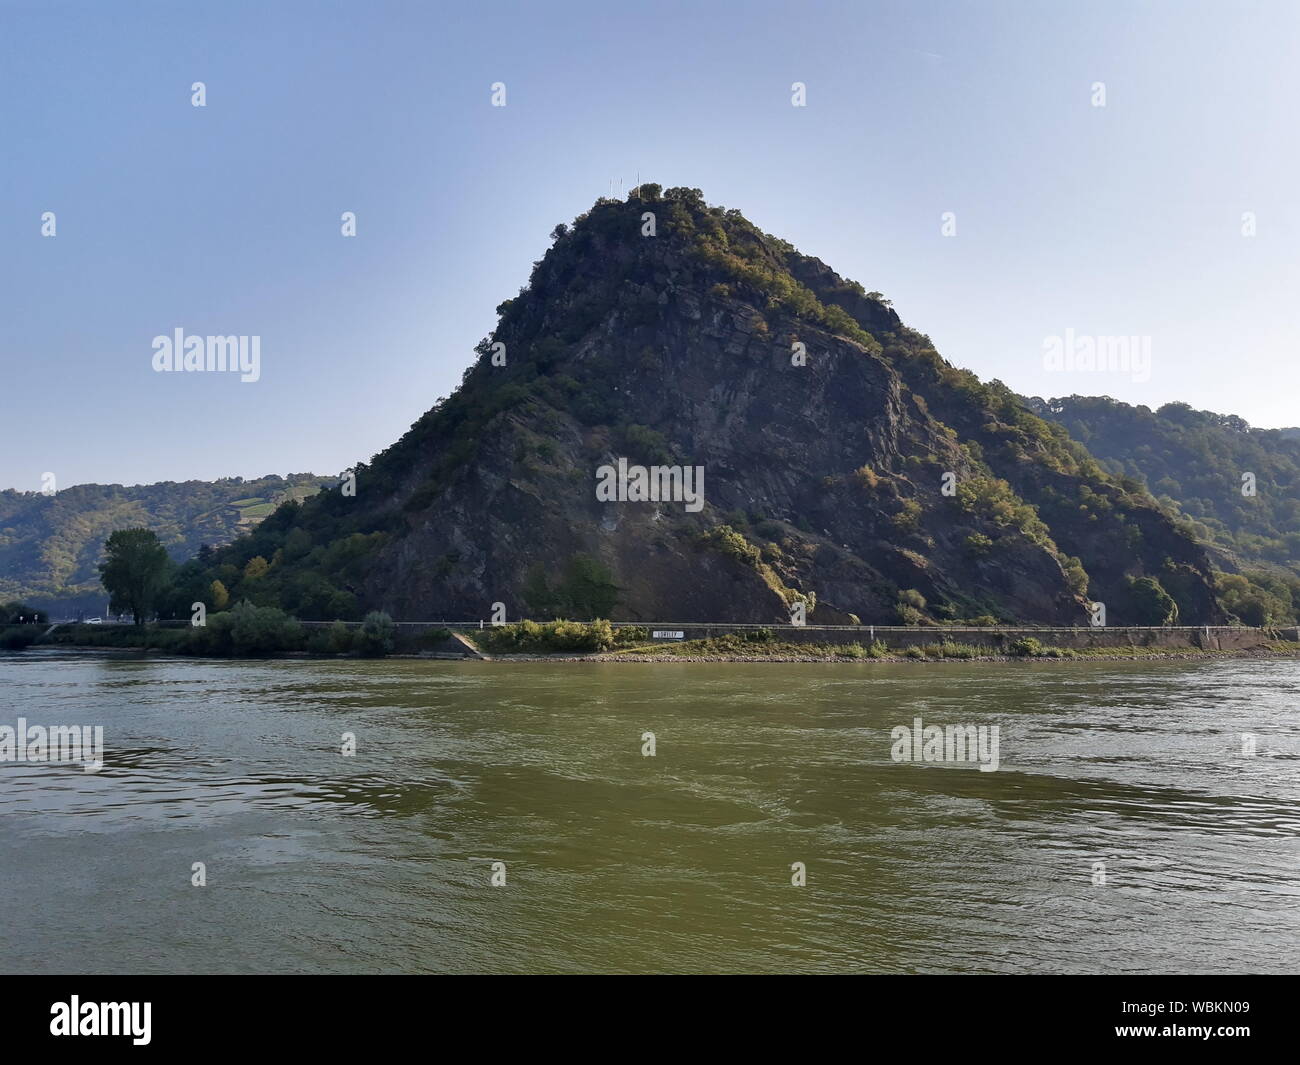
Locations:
615 861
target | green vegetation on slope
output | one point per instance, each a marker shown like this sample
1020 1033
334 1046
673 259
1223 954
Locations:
1194 462
1228 484
51 546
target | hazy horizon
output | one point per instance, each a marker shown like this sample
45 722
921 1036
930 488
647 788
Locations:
1122 220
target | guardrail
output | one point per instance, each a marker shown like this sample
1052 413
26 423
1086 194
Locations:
782 626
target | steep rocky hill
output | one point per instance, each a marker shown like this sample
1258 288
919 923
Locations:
845 464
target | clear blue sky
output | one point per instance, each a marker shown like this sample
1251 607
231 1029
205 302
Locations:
1122 220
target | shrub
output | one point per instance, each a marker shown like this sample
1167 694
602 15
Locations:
376 636
16 637
247 630
909 615
993 499
866 477
1027 647
1150 604
910 607
1250 601
725 539
876 649
531 637
908 518
949 649
339 638
1075 575
630 634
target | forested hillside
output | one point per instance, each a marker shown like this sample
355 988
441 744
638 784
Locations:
1234 486
50 545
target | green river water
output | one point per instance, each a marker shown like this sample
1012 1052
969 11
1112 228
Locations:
681 862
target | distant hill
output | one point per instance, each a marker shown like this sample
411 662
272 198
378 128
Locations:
1197 463
1194 462
50 546
846 465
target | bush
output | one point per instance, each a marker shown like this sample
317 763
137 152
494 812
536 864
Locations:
376 636
910 607
725 539
247 630
531 637
867 478
876 650
1027 647
16 637
1075 575
339 638
1150 604
908 518
1251 602
950 649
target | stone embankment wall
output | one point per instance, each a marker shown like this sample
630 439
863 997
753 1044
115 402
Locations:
997 640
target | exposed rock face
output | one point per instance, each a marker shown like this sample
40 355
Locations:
844 463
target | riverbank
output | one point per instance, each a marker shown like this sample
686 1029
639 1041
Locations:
814 653
709 651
